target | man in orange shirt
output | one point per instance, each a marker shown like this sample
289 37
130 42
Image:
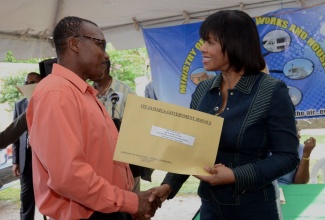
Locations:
73 138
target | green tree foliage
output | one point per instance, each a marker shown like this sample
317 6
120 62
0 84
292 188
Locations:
128 64
9 92
8 87
11 59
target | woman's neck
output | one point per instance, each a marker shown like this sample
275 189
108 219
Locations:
230 79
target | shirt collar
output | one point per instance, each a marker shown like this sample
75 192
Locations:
73 78
111 90
244 85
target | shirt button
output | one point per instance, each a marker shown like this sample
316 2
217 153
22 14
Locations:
231 93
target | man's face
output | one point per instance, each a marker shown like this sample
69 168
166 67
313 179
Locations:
31 79
92 54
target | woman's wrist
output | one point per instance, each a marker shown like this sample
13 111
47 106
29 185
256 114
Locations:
306 157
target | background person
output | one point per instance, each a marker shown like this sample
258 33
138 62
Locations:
301 174
106 87
259 118
22 158
149 91
73 137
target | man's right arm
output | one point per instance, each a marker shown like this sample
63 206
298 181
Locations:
20 126
13 131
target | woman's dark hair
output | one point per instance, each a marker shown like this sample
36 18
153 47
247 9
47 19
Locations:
237 33
67 27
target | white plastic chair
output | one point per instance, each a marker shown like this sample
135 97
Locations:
319 165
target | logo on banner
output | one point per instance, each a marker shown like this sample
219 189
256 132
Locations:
197 75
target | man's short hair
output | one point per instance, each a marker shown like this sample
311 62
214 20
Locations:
67 27
38 76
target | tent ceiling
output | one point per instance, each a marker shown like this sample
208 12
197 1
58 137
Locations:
26 25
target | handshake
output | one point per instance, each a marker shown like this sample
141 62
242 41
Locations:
151 200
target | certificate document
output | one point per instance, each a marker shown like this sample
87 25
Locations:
167 137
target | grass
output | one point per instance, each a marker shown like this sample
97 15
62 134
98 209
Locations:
10 194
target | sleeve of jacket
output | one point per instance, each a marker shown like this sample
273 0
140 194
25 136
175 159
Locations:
175 181
15 145
282 142
13 132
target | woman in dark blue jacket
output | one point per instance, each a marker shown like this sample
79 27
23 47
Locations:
259 118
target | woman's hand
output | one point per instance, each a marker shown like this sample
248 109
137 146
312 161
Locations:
161 192
220 174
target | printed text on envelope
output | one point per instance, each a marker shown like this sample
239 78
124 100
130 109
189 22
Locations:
172 135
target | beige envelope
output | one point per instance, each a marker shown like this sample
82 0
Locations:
167 137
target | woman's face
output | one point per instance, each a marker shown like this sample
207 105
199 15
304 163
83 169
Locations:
213 58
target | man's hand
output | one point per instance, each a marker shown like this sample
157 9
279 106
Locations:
309 146
15 170
147 209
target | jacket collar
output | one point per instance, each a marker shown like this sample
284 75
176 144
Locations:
244 85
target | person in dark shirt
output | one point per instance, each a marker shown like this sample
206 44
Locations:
259 118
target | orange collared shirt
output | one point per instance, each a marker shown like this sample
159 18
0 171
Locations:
73 141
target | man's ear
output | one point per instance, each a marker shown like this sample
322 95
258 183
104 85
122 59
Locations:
73 44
